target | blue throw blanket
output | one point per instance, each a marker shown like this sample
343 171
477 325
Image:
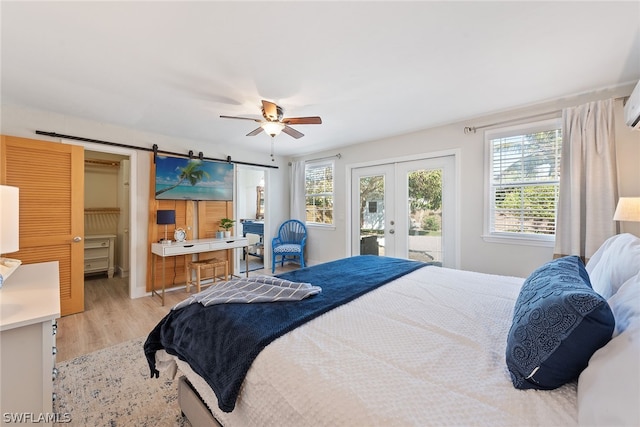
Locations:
220 342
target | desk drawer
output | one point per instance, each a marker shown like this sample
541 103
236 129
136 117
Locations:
203 245
231 244
185 249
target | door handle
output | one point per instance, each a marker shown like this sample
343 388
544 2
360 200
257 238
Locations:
77 239
392 231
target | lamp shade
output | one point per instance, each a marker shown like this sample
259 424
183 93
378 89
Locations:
9 223
272 128
166 217
628 209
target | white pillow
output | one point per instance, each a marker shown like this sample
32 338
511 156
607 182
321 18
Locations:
625 305
614 263
609 388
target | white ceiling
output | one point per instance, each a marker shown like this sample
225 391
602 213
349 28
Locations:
369 69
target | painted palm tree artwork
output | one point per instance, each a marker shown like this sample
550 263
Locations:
193 179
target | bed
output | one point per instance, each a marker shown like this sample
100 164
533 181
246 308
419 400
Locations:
427 346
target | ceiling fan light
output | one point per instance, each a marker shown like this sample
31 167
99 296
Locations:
272 128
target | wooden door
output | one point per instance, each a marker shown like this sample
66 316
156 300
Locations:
50 177
209 215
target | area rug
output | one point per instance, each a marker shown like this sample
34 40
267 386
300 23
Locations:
112 387
254 264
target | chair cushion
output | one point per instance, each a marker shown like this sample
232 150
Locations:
287 248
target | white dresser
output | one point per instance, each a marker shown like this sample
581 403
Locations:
29 307
99 253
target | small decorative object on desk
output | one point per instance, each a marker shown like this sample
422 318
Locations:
180 235
227 224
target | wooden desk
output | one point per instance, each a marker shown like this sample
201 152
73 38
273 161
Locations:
191 247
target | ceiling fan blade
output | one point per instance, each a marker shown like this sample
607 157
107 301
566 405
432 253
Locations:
255 131
270 110
292 132
241 118
302 120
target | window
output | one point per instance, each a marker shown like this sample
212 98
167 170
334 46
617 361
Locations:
319 192
524 179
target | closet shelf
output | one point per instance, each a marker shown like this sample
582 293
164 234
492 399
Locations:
102 163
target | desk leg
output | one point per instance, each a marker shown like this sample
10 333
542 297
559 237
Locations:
163 280
246 260
154 262
154 258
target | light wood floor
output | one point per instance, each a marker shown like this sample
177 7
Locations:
111 317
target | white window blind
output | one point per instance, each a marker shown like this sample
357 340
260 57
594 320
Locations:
319 192
524 181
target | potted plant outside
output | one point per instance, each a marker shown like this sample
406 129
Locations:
227 224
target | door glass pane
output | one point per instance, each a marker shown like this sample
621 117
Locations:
372 218
425 215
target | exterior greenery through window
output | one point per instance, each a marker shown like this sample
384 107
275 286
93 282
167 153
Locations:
425 202
319 192
524 180
425 199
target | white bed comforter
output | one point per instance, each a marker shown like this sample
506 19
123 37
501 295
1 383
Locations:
426 349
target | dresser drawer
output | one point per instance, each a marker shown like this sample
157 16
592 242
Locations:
94 253
99 264
96 243
99 254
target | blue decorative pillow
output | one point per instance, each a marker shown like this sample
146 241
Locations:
559 321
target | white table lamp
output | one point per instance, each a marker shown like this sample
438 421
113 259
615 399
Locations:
628 209
9 230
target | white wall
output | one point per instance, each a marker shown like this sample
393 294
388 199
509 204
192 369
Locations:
475 254
248 179
330 243
100 187
23 122
246 206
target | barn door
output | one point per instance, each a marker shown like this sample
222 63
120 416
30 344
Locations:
50 177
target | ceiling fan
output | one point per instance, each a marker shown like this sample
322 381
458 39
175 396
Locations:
274 122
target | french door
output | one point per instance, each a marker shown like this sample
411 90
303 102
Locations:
405 209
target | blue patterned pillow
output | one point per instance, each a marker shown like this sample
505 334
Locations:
559 321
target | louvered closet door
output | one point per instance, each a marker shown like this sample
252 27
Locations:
50 177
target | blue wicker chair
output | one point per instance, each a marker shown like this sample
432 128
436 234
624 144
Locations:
292 236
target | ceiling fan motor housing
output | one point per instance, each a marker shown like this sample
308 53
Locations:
274 121
277 118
